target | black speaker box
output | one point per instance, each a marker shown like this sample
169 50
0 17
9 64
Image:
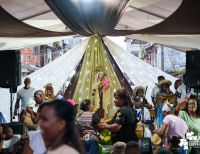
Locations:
10 68
192 78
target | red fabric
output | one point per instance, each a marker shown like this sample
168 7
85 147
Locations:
72 102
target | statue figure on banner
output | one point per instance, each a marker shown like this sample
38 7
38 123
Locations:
101 94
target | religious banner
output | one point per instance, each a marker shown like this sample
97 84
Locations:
97 80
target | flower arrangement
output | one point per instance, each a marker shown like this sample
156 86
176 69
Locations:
105 137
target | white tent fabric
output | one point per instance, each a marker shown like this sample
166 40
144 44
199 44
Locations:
59 70
187 41
9 43
55 72
139 72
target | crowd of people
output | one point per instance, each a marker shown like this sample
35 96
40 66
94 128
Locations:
57 125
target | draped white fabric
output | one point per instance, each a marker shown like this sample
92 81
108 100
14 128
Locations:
55 72
189 41
8 43
59 70
139 72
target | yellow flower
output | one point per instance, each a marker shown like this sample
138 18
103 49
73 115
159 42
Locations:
107 138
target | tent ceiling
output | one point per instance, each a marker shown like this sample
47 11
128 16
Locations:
12 27
23 9
148 15
140 14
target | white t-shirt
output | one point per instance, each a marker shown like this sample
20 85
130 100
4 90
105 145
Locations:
26 96
36 142
64 149
9 144
147 116
184 91
154 91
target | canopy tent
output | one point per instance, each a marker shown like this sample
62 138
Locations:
55 72
139 72
138 17
8 43
12 27
96 61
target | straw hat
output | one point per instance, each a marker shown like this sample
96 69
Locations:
165 81
155 139
48 85
138 88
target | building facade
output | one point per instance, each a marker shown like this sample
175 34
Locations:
167 59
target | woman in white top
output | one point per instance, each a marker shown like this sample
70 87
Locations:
36 144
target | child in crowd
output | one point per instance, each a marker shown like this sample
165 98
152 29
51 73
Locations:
119 148
132 147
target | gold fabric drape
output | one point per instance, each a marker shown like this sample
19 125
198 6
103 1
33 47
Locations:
96 61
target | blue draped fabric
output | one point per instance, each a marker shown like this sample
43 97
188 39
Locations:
159 113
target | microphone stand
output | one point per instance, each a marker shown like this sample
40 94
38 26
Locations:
143 122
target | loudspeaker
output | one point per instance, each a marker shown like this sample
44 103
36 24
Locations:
192 77
145 145
10 68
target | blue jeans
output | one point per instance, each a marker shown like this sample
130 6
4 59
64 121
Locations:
92 147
